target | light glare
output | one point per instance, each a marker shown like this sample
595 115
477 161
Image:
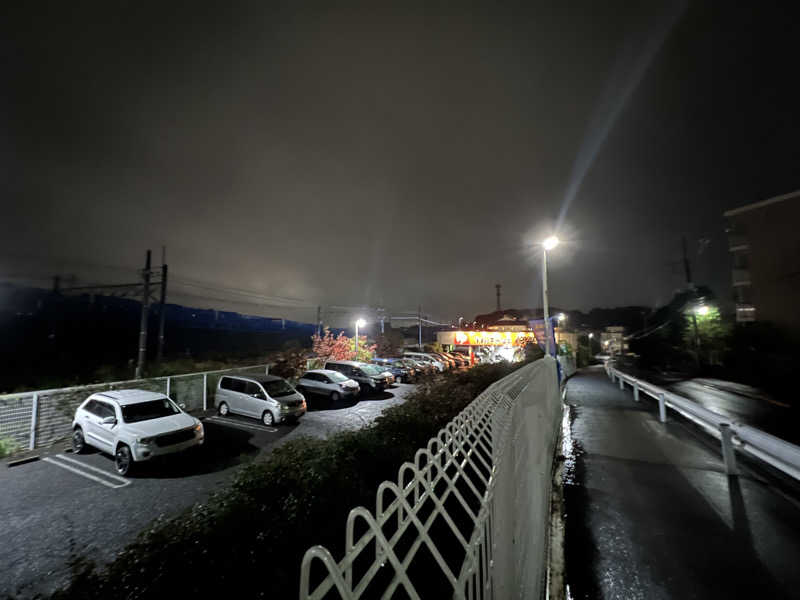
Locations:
550 242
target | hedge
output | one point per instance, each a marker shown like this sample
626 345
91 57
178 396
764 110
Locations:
249 539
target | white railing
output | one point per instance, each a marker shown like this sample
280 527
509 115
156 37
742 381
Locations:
40 417
779 453
477 499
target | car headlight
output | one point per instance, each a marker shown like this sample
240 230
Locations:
144 440
199 428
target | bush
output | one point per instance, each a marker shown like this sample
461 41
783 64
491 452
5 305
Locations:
252 536
7 447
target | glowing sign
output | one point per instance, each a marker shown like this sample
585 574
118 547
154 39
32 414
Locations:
493 338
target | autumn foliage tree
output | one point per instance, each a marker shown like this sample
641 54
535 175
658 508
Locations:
341 347
330 347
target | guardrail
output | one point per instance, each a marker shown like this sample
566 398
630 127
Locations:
774 451
40 417
476 500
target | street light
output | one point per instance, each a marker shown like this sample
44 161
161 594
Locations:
547 244
701 310
459 321
359 323
591 335
562 317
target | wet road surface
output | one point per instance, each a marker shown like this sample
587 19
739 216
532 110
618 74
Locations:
651 513
743 404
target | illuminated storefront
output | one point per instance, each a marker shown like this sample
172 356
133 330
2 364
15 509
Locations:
503 344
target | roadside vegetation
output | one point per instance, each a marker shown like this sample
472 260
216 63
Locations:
252 536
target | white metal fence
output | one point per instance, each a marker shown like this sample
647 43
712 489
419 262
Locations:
734 436
39 418
469 517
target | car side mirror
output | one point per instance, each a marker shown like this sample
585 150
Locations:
259 396
109 421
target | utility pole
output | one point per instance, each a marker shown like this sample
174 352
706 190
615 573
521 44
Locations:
497 287
319 321
162 308
419 325
382 313
143 322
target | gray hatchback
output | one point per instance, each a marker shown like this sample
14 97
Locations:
268 398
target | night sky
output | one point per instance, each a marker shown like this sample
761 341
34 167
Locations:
395 156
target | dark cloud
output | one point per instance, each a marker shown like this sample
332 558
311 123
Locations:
399 157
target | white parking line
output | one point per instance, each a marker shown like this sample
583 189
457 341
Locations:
224 421
64 461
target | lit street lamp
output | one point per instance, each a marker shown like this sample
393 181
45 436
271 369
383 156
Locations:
548 244
359 323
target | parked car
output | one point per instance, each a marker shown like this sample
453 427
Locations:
332 384
421 367
450 362
368 377
266 397
460 359
437 364
133 426
401 372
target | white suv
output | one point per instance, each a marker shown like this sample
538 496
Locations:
133 426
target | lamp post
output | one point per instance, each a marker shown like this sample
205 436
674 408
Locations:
459 321
359 323
548 244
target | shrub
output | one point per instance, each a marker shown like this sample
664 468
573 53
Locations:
252 536
7 447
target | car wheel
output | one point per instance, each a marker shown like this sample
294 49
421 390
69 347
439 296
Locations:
223 409
123 460
267 419
78 443
335 397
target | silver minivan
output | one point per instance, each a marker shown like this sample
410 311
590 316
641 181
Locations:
268 398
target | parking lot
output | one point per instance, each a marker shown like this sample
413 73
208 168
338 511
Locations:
63 506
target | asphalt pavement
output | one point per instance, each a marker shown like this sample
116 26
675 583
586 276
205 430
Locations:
652 514
64 506
744 404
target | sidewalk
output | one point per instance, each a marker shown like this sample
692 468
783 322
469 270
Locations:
651 513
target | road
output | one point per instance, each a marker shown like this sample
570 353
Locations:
651 513
744 404
65 506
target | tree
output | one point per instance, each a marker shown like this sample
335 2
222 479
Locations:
711 339
365 351
390 343
340 347
330 347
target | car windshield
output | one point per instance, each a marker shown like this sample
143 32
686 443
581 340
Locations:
336 377
371 370
278 388
145 411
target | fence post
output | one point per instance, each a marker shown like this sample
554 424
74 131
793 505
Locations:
621 383
34 420
205 391
168 382
728 455
636 391
662 409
